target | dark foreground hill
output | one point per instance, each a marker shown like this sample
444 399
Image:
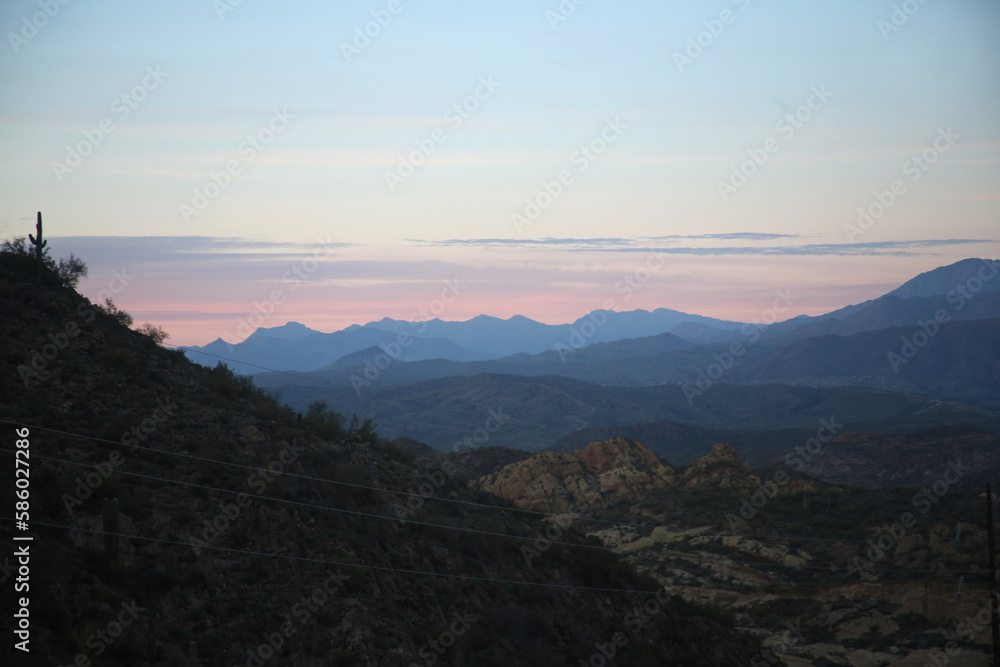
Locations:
180 516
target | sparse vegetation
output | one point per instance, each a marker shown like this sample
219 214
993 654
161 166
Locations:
109 382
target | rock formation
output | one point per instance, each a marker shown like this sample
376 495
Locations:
721 467
599 475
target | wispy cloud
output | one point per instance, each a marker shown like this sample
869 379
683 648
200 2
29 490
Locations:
171 249
609 242
912 247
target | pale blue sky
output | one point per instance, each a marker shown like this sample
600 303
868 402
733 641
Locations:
324 174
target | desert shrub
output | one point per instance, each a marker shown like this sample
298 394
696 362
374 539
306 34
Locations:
111 310
153 332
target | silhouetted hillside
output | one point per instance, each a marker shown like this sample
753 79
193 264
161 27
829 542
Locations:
190 505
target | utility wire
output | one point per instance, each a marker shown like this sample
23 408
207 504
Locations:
341 563
315 479
581 519
437 574
315 506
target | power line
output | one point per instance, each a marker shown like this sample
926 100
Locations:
341 563
315 479
801 538
473 530
415 522
315 506
441 574
466 502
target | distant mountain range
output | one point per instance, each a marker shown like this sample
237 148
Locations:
925 354
294 347
964 290
540 411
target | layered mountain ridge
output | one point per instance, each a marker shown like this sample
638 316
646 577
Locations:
238 530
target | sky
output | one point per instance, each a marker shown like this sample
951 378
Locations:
336 163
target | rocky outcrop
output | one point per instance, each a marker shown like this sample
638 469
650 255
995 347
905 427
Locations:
599 475
722 467
605 473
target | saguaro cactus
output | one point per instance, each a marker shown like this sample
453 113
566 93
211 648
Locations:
39 244
111 530
192 655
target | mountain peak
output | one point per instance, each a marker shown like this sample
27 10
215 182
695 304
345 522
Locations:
721 467
287 331
974 274
606 455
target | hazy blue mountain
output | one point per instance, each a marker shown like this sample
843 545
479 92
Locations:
312 351
891 311
965 290
296 347
537 411
696 332
644 323
417 349
497 337
956 360
974 275
289 331
491 336
959 361
626 362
